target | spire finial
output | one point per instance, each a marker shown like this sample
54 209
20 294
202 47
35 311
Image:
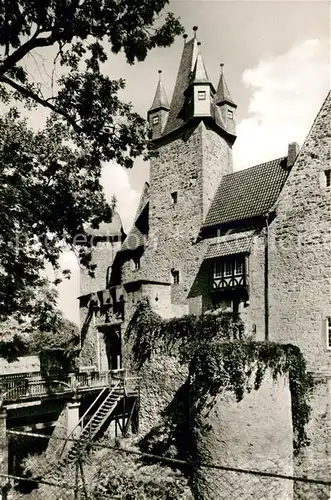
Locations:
185 38
195 29
222 65
199 44
160 73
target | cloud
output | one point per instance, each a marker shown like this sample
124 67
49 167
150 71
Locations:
115 181
286 93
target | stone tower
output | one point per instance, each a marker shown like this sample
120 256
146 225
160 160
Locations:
194 150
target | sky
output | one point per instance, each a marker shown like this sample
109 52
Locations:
277 66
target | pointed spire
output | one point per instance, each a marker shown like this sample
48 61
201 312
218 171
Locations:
222 94
186 66
199 72
160 99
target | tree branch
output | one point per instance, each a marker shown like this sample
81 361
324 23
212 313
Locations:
31 44
44 102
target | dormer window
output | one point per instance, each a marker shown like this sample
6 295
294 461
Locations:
230 114
155 120
202 95
229 273
327 174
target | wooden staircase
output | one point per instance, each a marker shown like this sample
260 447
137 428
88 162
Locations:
102 414
102 410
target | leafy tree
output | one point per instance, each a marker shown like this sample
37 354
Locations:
50 179
44 329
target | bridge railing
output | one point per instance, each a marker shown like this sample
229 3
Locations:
33 385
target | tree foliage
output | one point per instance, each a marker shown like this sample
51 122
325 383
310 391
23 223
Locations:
109 474
50 179
44 328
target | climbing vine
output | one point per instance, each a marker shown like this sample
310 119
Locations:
220 357
149 333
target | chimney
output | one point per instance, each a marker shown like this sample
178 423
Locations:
292 153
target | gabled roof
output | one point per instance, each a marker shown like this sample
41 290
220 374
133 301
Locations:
247 194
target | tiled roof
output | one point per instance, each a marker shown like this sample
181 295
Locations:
223 246
248 193
135 239
191 71
112 228
183 81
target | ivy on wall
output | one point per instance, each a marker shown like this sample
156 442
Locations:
220 357
148 333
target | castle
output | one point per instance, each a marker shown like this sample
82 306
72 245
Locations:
255 241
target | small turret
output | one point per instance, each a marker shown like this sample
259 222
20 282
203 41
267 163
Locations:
225 104
201 87
158 112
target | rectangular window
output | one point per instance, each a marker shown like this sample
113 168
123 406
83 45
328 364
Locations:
327 174
202 95
229 273
238 266
228 268
328 332
230 114
174 198
175 276
155 120
218 268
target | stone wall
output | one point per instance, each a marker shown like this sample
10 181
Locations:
254 434
160 379
300 278
300 248
217 161
66 426
314 460
254 314
103 254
